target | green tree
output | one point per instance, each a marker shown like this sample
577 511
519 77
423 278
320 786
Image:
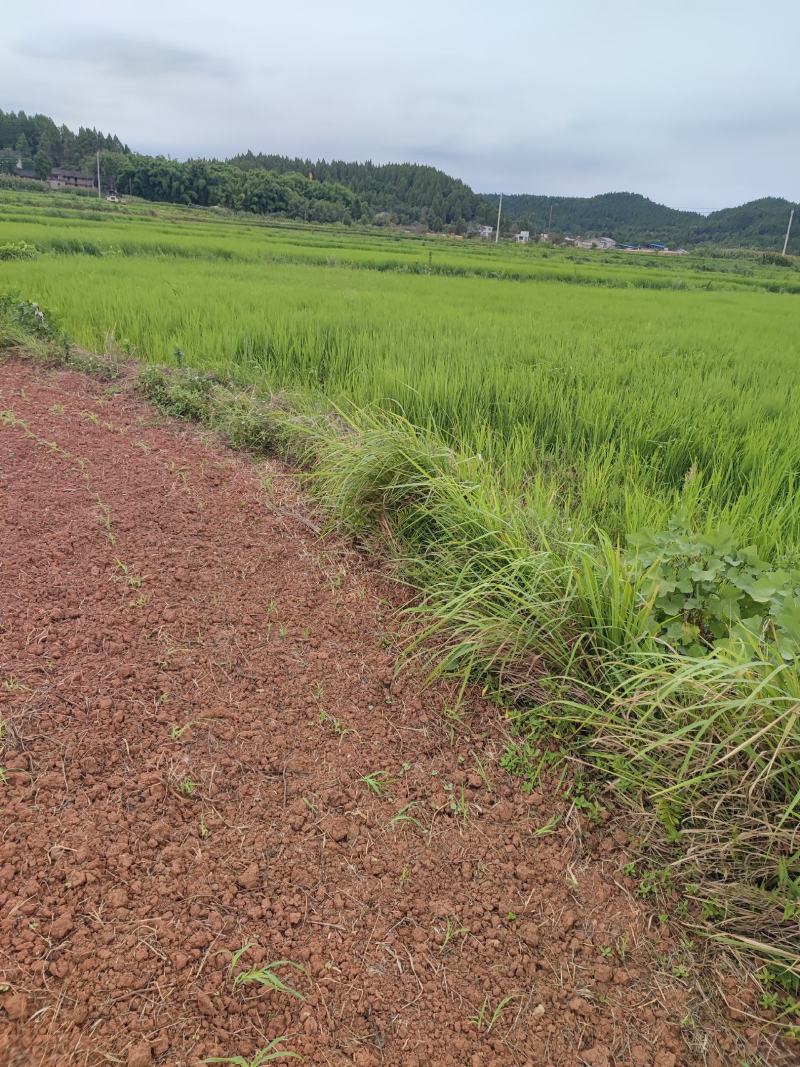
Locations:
42 165
23 149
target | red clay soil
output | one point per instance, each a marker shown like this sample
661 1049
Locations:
194 686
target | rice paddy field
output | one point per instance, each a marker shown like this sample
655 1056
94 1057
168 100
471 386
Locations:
607 389
518 416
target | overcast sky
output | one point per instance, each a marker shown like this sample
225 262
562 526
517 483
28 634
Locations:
695 103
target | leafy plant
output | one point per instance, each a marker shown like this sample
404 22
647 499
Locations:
18 250
26 316
706 592
183 393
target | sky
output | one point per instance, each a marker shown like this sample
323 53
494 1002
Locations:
695 103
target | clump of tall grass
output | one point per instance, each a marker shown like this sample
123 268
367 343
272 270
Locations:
706 748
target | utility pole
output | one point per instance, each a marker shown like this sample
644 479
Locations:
99 197
788 231
550 220
499 209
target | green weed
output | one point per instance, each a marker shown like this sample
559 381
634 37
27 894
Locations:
378 782
269 1054
486 1017
266 975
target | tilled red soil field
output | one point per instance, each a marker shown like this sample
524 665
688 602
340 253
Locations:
205 748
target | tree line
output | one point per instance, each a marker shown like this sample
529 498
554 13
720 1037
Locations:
402 192
209 183
40 144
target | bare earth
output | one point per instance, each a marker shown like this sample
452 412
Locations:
193 685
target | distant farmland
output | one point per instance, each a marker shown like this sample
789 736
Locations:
610 392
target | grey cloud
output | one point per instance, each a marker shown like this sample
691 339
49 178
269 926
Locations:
129 57
569 99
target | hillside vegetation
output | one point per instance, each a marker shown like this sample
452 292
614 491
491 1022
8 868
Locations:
338 191
630 217
38 142
408 191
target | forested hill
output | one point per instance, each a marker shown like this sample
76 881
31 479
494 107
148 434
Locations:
632 217
40 143
409 192
369 192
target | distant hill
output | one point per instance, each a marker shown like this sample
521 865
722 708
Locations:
408 192
403 193
630 217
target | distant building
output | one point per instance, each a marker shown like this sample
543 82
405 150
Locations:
485 232
63 178
60 177
595 242
522 237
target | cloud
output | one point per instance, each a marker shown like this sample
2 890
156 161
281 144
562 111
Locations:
670 100
130 58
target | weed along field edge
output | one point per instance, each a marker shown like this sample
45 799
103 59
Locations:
589 490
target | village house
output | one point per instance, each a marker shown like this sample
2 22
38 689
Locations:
60 177
522 237
63 178
485 232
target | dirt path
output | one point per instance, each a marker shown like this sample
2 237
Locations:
193 689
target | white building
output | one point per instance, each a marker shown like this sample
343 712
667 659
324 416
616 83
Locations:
523 237
595 242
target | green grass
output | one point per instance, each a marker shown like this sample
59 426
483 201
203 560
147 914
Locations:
608 407
502 419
